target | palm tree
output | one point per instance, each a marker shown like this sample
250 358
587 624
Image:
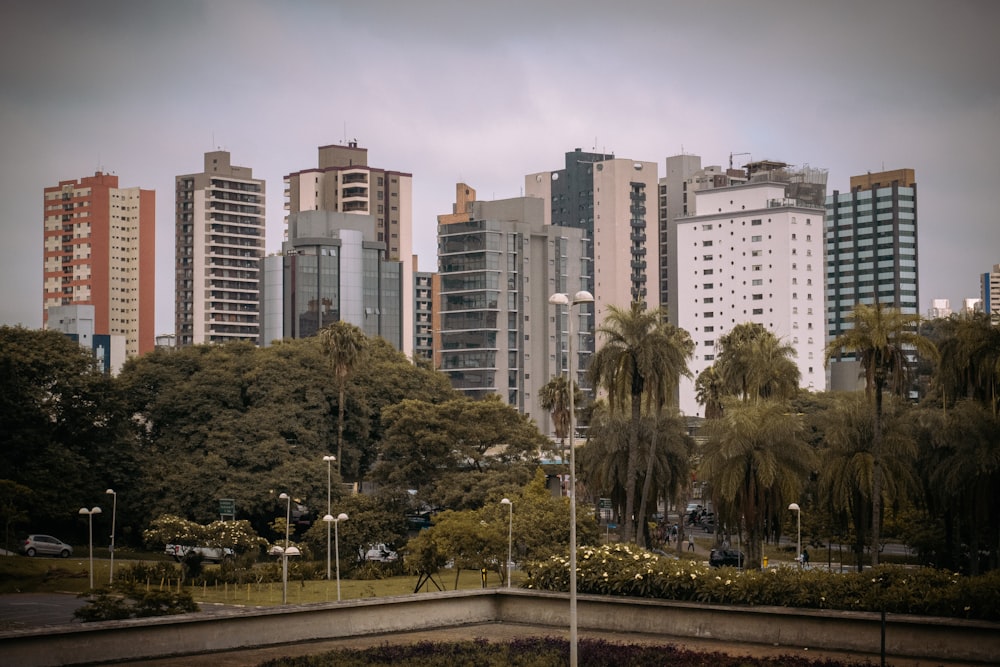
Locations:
643 356
666 471
756 459
753 363
966 476
708 392
970 360
346 347
845 476
881 338
554 398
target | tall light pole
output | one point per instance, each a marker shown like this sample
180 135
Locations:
114 514
560 299
336 540
510 534
284 551
90 522
329 460
798 523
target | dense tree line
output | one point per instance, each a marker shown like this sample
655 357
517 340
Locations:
177 430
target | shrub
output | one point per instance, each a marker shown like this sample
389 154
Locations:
127 601
620 569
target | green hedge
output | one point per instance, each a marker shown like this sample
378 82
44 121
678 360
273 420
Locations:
621 569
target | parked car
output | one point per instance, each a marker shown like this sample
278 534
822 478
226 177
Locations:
214 554
38 545
381 553
726 557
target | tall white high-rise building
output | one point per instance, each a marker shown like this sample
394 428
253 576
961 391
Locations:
219 242
754 253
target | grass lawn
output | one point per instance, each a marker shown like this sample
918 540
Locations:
19 574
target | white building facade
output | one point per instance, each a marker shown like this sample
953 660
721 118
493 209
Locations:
751 255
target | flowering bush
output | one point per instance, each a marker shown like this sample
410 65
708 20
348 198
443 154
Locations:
623 569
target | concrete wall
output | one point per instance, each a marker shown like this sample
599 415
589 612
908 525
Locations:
906 636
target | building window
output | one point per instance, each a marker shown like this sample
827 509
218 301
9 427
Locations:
755 223
758 311
755 238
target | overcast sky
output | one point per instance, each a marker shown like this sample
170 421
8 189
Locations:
486 92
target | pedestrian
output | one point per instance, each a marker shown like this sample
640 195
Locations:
805 557
691 543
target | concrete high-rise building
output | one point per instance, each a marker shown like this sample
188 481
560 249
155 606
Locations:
989 291
219 242
754 253
375 207
871 255
498 264
424 289
100 250
939 308
684 176
614 202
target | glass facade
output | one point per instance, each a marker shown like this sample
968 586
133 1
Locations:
871 251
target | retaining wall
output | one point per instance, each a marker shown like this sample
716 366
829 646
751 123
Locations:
906 636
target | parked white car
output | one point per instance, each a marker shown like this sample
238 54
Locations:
381 553
213 554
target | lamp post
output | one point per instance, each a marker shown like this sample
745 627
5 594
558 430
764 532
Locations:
90 522
114 514
798 522
284 551
329 460
329 518
560 299
510 534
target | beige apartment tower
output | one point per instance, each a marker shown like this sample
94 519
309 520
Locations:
219 242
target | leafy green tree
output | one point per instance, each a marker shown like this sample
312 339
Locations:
709 392
424 441
378 518
15 499
168 529
756 461
67 434
476 539
387 378
847 463
345 345
881 339
642 358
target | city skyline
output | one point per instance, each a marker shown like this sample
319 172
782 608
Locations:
486 95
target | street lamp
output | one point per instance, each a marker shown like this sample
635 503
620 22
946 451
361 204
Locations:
798 522
329 460
510 533
90 522
287 550
114 513
336 541
560 299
